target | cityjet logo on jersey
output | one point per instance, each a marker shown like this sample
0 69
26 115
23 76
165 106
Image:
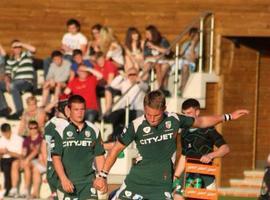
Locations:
77 143
156 139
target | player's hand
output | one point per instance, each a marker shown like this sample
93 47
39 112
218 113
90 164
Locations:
67 185
101 184
239 113
206 159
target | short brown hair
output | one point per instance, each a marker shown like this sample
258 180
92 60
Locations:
31 98
155 99
75 99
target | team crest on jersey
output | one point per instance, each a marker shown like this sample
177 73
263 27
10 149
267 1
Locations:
87 133
128 193
168 124
69 133
137 197
93 190
147 129
168 195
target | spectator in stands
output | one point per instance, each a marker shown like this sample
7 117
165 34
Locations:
31 150
155 45
190 53
31 113
134 49
111 47
2 61
76 61
10 154
108 71
19 75
73 39
134 96
85 85
57 77
94 44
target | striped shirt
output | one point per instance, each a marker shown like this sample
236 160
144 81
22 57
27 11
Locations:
21 68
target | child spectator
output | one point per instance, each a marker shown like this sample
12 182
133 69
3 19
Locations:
10 154
85 86
57 77
111 47
190 54
134 49
73 39
76 61
31 113
31 150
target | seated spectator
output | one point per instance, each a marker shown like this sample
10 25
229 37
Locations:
85 85
154 46
19 75
31 150
135 98
57 77
73 39
31 113
2 62
190 54
10 154
111 47
78 60
94 43
134 49
108 71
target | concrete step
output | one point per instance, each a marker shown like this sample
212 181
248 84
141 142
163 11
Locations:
246 183
256 174
239 192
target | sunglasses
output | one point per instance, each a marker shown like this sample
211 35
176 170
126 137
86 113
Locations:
33 127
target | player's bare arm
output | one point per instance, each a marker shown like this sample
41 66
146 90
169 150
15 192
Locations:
65 182
101 181
220 152
208 121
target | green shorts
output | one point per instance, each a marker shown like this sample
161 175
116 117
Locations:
84 191
206 181
125 192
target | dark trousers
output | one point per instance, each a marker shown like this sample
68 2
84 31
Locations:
117 118
6 168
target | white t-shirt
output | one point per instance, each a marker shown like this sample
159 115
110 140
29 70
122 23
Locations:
74 41
135 95
14 144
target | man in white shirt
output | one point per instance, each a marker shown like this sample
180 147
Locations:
134 96
10 153
73 39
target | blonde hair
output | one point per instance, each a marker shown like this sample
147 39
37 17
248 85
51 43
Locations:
155 99
31 98
107 37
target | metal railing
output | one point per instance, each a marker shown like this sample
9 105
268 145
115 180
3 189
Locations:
175 43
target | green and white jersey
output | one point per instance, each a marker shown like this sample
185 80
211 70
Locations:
77 149
49 136
156 146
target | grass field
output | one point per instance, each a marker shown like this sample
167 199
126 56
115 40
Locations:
236 198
